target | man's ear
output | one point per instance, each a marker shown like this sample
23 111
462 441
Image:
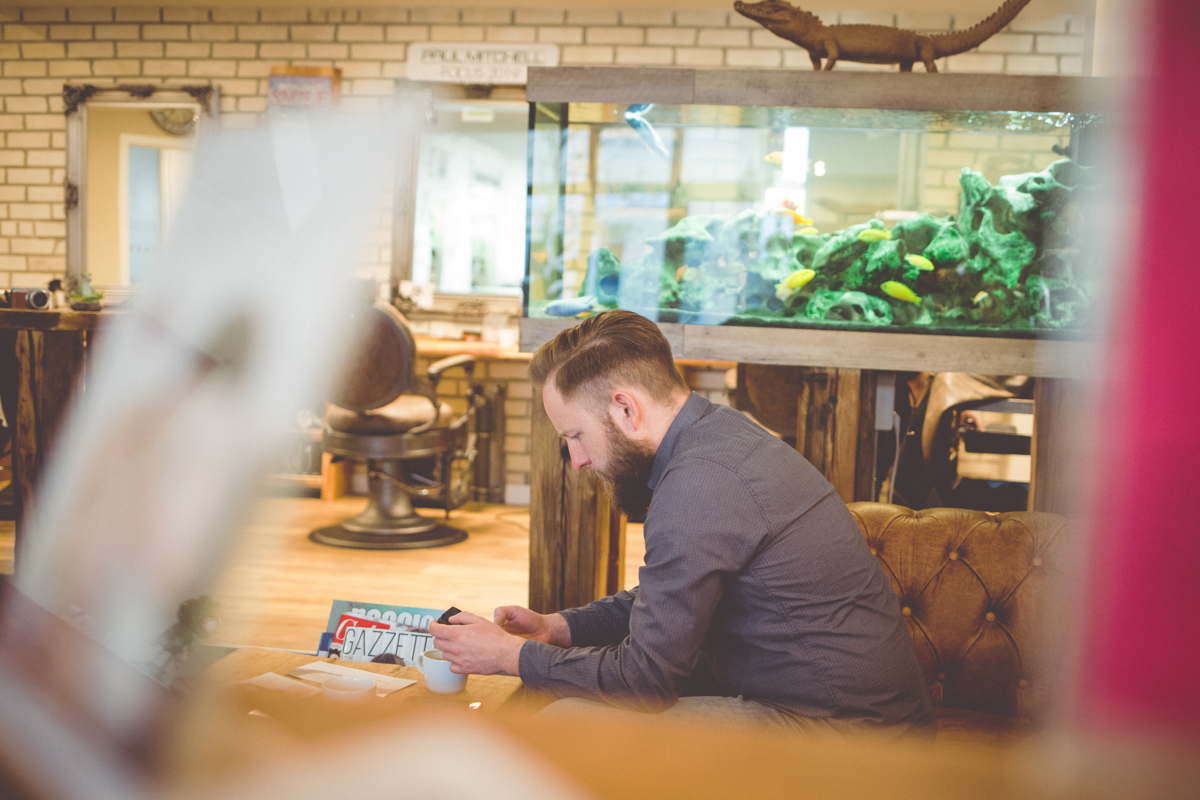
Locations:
626 411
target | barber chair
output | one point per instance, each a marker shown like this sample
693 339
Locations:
386 415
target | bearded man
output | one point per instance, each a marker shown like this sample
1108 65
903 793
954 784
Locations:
759 599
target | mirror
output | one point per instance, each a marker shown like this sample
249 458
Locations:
470 204
458 244
129 153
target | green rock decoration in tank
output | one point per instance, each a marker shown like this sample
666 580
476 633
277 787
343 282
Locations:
1007 261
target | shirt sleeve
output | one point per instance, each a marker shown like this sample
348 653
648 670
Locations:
604 622
702 529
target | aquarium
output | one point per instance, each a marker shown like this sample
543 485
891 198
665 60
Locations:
951 221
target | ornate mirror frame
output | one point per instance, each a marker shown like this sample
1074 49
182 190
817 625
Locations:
77 98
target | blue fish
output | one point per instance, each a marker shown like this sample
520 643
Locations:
570 306
634 115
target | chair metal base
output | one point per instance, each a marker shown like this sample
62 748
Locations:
435 535
389 522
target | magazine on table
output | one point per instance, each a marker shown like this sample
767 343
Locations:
366 631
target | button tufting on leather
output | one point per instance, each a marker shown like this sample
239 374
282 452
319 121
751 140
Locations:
1008 554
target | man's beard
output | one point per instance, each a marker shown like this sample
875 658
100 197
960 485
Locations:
627 476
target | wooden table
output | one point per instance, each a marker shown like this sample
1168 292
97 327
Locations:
42 356
493 692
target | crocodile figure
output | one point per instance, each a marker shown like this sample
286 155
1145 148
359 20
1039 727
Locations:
872 44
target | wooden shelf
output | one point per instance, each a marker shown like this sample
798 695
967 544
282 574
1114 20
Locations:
1046 358
295 481
51 320
870 90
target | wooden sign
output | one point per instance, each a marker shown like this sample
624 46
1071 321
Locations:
303 87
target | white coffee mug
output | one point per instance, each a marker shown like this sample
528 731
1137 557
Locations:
438 677
348 688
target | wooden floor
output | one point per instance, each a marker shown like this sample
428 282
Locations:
278 585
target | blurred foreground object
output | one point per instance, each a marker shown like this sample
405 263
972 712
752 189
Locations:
306 749
1141 653
240 322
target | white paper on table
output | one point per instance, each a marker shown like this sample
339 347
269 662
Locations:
320 671
277 683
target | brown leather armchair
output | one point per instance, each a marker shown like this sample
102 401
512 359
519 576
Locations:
983 596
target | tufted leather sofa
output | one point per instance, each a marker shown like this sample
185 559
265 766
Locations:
981 593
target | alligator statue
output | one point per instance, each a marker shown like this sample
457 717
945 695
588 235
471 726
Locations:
872 44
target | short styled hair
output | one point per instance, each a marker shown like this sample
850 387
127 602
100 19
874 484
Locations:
611 348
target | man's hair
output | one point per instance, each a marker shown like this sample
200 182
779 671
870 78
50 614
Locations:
612 348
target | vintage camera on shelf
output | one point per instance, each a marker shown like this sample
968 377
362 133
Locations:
38 299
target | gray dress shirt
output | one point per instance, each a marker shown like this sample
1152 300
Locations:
757 584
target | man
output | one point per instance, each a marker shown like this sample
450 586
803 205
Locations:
759 597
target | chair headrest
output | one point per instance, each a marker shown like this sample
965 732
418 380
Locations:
383 361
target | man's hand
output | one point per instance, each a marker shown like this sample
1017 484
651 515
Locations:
548 628
475 646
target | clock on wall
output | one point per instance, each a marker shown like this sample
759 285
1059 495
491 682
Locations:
175 121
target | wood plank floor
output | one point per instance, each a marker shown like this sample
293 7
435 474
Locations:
278 585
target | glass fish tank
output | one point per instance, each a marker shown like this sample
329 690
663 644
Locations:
950 221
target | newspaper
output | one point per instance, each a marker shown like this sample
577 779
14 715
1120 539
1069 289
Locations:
372 631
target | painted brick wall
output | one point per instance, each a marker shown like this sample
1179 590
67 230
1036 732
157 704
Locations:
43 48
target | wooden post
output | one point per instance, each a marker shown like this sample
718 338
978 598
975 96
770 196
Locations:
835 428
867 439
610 565
49 363
574 533
26 456
1059 406
335 476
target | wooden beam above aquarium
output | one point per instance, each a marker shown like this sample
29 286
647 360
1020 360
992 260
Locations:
872 90
900 352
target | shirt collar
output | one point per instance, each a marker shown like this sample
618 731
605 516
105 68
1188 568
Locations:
693 410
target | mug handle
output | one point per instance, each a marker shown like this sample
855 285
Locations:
421 663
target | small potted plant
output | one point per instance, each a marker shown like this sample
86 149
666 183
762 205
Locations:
83 296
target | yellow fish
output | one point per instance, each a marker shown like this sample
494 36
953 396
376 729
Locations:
900 292
873 235
686 273
920 262
798 279
798 219
775 158
977 299
809 231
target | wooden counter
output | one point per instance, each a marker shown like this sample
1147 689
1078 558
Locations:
439 348
42 356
